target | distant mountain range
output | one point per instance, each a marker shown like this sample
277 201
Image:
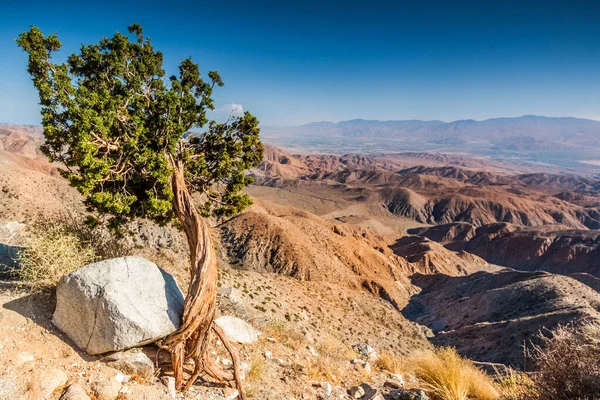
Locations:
567 138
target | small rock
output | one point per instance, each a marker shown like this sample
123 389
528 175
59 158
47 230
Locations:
8 388
121 378
125 390
408 394
312 350
133 363
326 386
74 392
230 393
106 390
232 294
226 362
357 392
237 330
24 357
399 378
52 380
371 393
279 361
244 369
357 361
169 382
272 340
392 385
365 350
367 367
268 355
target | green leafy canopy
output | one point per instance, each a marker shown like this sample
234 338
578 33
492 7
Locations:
114 121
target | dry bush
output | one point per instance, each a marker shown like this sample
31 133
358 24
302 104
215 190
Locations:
52 251
515 385
255 375
56 247
447 376
330 346
284 333
388 362
567 363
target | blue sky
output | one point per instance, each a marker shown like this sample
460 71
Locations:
299 61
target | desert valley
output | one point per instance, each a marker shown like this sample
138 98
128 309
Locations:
341 255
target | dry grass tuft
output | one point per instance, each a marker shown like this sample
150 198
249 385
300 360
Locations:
255 375
52 251
567 362
447 376
388 362
284 333
515 385
332 347
59 246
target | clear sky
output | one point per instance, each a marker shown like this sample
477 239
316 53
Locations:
292 62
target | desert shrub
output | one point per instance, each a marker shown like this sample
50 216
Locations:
388 362
516 385
447 376
61 245
284 333
51 252
567 362
255 375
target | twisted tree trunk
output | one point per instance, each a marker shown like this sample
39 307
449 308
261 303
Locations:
192 339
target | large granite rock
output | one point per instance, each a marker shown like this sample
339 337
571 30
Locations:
117 304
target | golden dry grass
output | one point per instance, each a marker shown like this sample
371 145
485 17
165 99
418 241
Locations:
52 251
447 376
515 385
284 333
255 375
388 362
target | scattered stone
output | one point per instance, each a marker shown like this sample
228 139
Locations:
74 392
237 330
367 367
244 369
52 380
408 394
327 389
279 361
370 393
230 393
134 363
312 351
232 294
117 304
356 392
365 350
399 378
226 362
24 357
106 390
358 362
121 378
268 355
169 382
8 388
392 385
272 340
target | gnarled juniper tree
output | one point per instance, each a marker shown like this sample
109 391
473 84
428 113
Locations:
119 128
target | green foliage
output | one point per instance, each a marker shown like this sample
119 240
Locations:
116 123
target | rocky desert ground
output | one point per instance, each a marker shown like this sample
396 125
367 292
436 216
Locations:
338 257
